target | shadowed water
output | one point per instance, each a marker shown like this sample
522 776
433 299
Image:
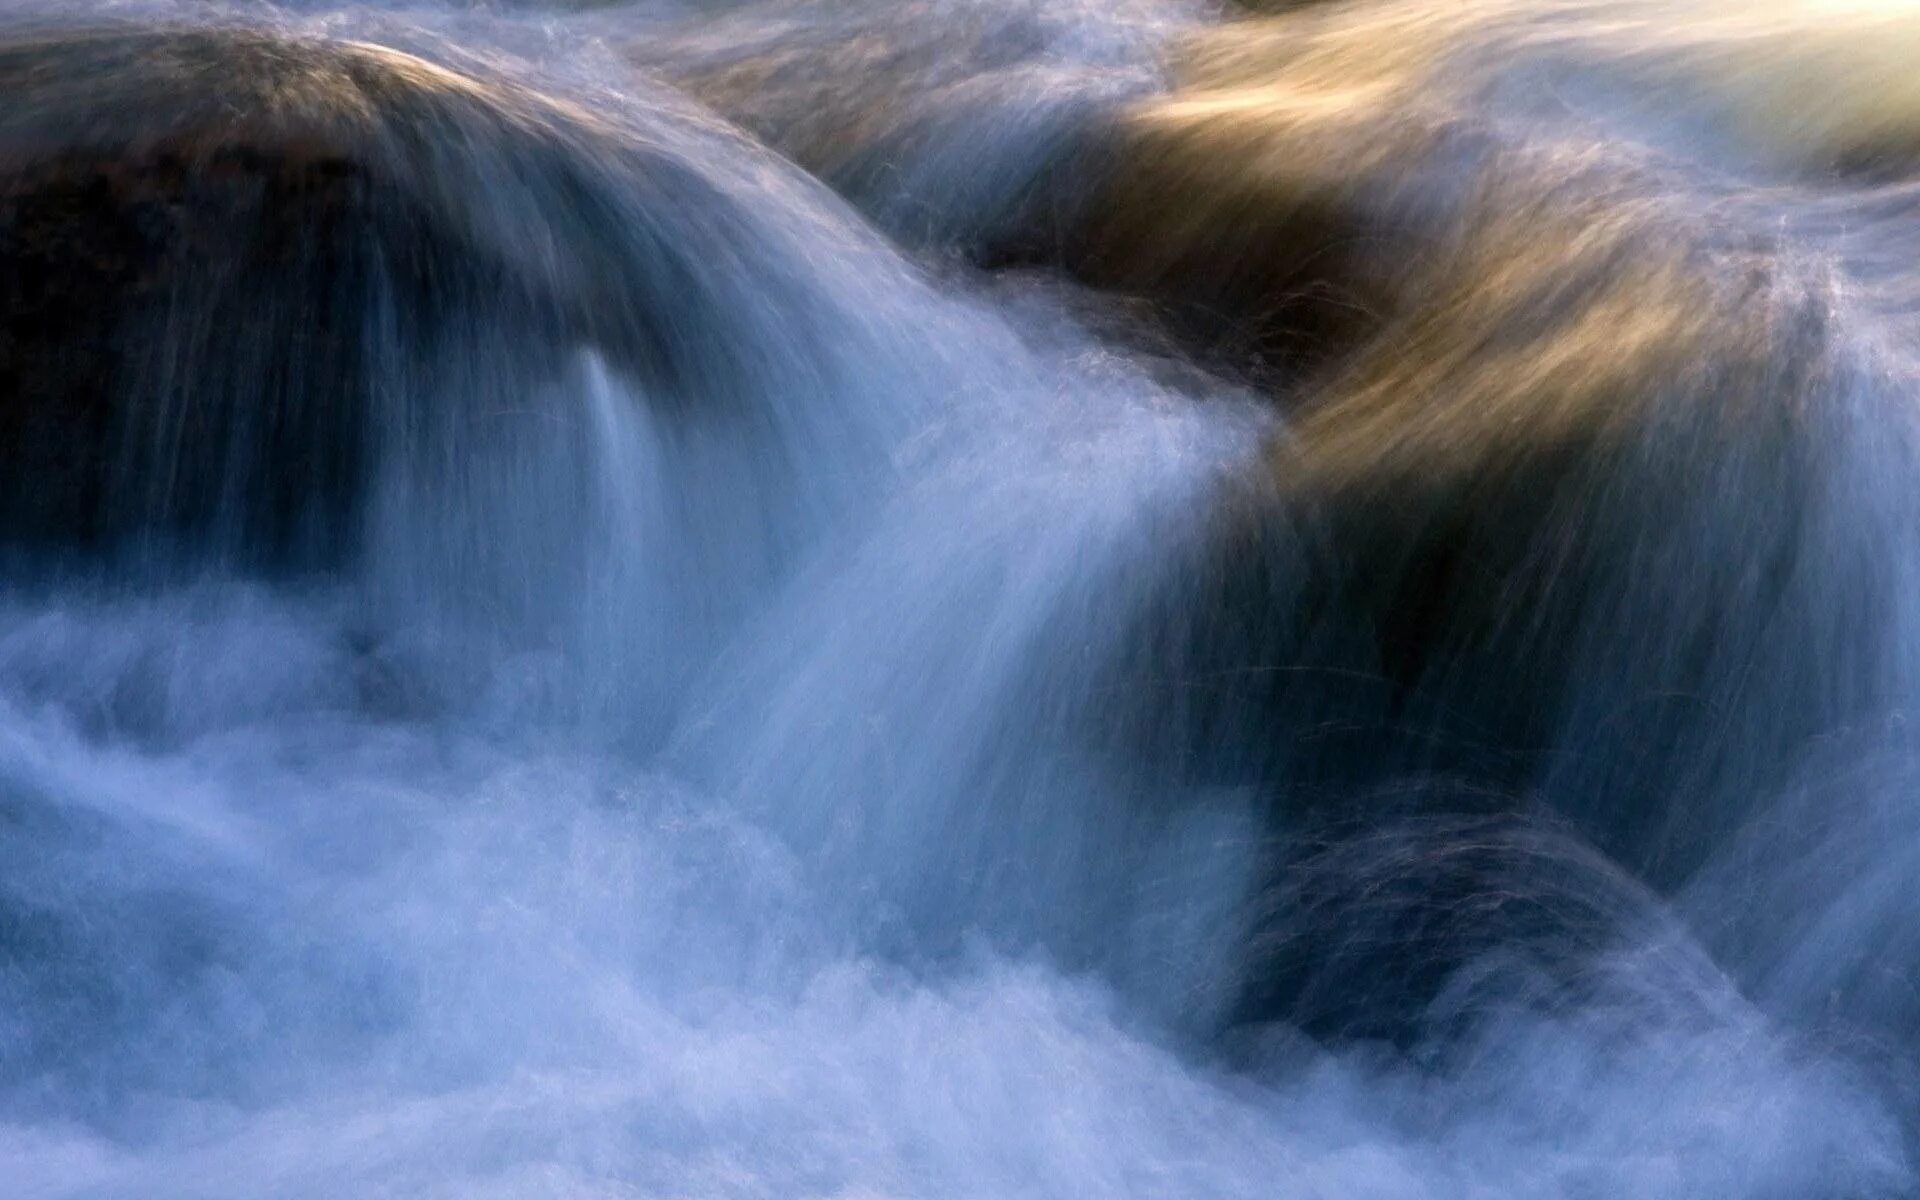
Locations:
965 598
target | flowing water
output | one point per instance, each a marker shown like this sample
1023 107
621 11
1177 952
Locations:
971 598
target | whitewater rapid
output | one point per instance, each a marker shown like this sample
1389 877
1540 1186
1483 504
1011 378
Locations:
886 633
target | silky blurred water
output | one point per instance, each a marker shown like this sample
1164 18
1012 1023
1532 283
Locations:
703 782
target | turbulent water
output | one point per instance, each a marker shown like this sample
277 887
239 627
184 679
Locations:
960 598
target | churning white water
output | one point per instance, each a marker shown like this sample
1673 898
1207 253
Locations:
714 768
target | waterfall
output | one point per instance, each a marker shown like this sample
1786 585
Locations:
959 598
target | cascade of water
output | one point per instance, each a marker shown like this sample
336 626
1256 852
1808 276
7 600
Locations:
972 597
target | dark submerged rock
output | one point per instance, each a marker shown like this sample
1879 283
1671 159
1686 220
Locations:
244 269
198 266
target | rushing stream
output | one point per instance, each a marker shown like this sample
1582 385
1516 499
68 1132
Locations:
960 598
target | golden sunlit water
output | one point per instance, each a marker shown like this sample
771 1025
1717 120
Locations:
959 598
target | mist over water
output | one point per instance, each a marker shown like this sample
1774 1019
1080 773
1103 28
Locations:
968 598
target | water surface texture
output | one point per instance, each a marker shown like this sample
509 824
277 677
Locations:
960 598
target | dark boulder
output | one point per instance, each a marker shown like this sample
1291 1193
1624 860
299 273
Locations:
241 271
214 261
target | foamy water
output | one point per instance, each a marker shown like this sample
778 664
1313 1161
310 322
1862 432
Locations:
739 745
